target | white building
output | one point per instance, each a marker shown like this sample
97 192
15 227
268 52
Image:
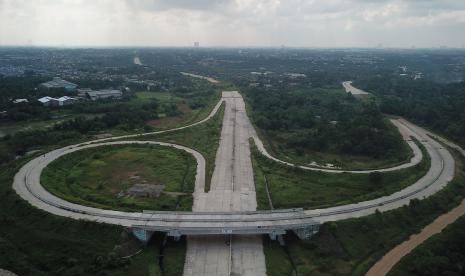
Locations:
62 101
20 101
65 100
48 101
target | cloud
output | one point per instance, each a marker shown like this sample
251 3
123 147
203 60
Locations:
332 23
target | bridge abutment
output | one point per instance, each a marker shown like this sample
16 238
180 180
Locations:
305 233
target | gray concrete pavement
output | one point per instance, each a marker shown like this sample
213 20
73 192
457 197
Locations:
232 188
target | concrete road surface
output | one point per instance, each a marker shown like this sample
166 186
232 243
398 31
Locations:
232 188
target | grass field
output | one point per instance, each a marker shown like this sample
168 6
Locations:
100 177
292 187
204 138
351 247
187 113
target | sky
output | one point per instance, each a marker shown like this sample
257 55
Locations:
233 23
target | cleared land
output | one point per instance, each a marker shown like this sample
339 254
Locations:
103 177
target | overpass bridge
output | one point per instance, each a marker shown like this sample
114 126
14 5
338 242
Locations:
272 223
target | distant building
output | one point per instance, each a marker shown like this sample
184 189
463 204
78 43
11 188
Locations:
105 94
82 92
66 101
48 101
196 44
20 101
62 101
58 83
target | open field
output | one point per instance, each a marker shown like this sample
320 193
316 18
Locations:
351 247
187 113
204 138
101 177
292 187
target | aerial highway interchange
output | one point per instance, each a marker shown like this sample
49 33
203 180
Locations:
229 207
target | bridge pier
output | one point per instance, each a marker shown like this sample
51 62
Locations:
276 234
307 232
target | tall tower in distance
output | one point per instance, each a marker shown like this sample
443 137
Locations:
196 44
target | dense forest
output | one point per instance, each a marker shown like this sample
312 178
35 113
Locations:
438 106
320 119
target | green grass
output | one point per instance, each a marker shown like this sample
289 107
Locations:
351 247
293 187
95 177
160 96
148 261
204 138
278 262
188 114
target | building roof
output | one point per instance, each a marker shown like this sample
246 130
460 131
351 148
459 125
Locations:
105 92
65 98
102 94
46 99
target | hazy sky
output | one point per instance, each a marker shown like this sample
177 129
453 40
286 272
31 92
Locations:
298 23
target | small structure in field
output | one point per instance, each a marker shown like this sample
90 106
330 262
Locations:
146 190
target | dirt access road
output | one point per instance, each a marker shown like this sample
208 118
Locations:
383 266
